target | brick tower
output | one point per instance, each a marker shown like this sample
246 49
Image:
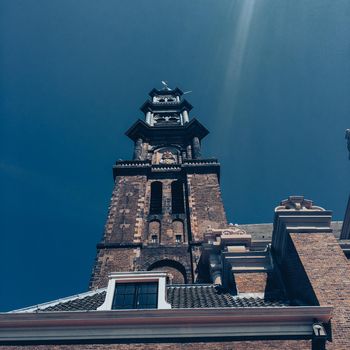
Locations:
164 199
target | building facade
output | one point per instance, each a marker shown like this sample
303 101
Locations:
164 198
171 273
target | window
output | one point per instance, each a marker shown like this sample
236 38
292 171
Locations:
143 295
136 290
154 231
156 198
177 197
178 230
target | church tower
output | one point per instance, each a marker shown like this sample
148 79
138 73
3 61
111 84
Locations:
164 199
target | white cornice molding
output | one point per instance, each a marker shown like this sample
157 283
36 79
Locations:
162 324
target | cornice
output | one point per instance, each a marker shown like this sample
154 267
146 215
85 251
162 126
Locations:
133 325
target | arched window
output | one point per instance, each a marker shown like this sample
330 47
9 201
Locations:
178 230
154 231
176 270
156 198
177 197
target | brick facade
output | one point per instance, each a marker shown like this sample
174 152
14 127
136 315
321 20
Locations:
188 200
123 226
298 287
250 282
110 260
125 217
177 257
128 244
328 271
205 204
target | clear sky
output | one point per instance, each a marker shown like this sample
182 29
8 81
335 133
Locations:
270 80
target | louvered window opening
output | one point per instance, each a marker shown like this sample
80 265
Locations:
177 197
156 198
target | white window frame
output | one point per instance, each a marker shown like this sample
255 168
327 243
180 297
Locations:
136 277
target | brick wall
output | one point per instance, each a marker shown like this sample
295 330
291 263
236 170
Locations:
205 203
176 257
128 222
124 225
126 210
111 260
242 345
298 287
250 282
166 219
329 273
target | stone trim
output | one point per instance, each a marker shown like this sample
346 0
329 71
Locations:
118 245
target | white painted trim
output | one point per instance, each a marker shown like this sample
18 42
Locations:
163 324
137 276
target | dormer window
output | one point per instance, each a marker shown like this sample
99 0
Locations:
142 295
136 290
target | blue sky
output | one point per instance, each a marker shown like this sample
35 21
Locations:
270 80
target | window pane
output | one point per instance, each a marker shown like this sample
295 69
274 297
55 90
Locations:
152 288
121 288
142 299
129 301
124 296
118 301
147 295
135 295
129 288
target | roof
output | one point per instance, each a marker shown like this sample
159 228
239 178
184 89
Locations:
179 296
163 91
140 129
264 231
211 296
79 302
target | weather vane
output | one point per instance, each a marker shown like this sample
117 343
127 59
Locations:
165 85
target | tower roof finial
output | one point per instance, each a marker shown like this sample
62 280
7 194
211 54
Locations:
165 85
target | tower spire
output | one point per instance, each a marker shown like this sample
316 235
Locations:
164 198
167 127
166 107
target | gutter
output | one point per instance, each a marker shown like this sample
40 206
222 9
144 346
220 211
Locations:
158 325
